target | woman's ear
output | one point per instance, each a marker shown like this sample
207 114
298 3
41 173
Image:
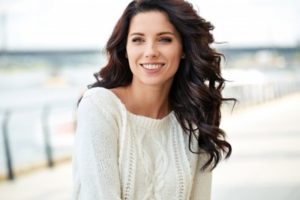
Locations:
183 56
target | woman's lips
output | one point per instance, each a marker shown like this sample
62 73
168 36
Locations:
152 66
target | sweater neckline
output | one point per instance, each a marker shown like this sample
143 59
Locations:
144 121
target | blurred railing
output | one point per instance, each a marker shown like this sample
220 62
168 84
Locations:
53 124
254 87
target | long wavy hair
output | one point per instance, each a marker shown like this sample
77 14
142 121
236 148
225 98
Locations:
195 95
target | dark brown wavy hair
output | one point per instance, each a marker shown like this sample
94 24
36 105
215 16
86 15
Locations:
195 95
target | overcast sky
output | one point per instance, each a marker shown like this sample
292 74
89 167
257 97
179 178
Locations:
69 24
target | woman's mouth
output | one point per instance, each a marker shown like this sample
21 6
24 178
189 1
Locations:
152 66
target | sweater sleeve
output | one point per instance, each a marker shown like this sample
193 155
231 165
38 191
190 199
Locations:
202 184
95 160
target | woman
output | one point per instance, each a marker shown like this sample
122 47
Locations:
149 127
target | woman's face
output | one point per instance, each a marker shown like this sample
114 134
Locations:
153 48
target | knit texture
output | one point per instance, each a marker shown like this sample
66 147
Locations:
122 156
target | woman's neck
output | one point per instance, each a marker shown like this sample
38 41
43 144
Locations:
147 101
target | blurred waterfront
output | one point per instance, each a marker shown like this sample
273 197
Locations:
39 93
38 101
49 50
264 164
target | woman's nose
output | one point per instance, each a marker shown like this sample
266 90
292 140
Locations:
151 51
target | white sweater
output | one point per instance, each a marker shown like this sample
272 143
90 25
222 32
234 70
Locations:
120 155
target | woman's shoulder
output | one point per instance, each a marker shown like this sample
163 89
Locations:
103 98
100 95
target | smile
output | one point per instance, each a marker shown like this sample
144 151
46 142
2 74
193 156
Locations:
152 65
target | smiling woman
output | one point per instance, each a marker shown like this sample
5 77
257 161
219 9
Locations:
154 49
148 128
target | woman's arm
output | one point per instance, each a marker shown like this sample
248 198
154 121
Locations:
96 174
202 186
202 182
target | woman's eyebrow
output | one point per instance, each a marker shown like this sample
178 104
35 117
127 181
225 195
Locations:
160 33
137 33
166 32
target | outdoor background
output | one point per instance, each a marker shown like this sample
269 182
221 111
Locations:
49 50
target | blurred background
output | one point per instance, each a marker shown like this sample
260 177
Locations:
49 50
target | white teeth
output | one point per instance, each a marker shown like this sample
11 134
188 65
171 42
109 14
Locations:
152 66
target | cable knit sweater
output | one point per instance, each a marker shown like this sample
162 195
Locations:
120 155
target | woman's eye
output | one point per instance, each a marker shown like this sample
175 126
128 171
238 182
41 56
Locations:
137 40
165 39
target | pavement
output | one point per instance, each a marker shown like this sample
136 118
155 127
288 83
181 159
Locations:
264 165
46 184
265 162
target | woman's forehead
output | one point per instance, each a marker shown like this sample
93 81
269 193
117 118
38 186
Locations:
151 21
